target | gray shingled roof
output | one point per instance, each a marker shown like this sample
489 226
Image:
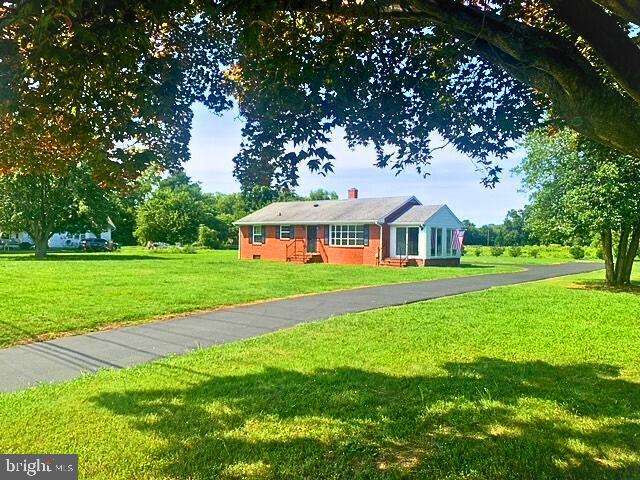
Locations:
417 214
360 210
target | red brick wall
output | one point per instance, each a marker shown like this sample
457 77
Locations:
275 249
271 249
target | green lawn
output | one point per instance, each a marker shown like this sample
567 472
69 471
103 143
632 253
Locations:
490 385
79 292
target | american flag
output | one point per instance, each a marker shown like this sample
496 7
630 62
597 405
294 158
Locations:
457 239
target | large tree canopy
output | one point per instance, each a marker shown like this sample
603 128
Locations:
579 188
118 78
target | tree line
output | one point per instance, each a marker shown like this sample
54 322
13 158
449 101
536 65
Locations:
153 208
581 193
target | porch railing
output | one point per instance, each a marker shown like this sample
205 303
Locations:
293 250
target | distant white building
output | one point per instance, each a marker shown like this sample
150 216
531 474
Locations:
61 240
70 240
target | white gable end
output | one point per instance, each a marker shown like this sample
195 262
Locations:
444 218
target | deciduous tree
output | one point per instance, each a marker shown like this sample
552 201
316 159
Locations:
118 77
581 188
174 212
44 204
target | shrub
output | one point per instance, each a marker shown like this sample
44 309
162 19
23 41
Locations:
477 252
534 252
497 251
600 253
177 249
208 237
577 252
554 250
515 251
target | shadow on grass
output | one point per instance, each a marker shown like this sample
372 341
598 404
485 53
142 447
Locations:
600 285
490 419
84 257
475 265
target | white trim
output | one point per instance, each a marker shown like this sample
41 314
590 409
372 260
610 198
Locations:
288 237
437 254
446 242
332 229
253 234
447 248
392 240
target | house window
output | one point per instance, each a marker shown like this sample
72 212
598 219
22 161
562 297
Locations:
285 232
436 243
346 235
451 252
257 235
407 239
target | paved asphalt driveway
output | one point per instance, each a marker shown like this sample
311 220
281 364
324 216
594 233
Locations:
68 357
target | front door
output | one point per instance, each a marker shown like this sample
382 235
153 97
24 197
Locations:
312 238
407 241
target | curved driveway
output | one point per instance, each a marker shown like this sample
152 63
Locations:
68 357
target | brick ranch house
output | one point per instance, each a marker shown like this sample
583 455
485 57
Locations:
394 231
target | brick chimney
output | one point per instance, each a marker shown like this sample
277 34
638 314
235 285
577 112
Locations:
353 193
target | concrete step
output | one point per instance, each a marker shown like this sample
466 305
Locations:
394 262
305 258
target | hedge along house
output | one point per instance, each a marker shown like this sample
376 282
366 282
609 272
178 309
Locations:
394 231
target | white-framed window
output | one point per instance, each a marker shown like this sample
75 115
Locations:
436 249
346 235
451 252
407 241
257 234
285 232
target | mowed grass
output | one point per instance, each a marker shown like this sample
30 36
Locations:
535 381
80 292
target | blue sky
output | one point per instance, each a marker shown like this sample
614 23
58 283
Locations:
453 179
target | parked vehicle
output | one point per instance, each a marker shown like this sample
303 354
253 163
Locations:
9 244
26 246
98 245
94 245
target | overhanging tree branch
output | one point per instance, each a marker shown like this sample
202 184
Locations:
541 59
612 45
628 10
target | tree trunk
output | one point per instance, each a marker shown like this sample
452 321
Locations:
41 241
632 251
619 271
621 255
607 250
